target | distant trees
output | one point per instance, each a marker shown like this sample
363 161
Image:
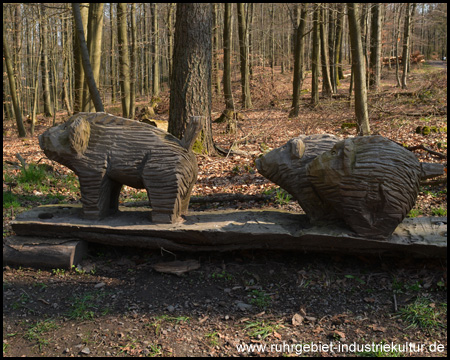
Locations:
12 85
131 49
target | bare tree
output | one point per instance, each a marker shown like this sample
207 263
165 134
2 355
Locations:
298 62
243 48
12 85
410 10
359 70
95 95
326 84
133 62
375 47
124 58
155 30
44 64
191 73
227 36
315 61
94 45
78 62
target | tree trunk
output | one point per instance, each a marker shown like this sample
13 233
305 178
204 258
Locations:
243 49
324 55
358 68
315 61
410 10
124 58
375 48
133 71
397 65
332 47
95 95
191 77
78 63
298 62
94 45
170 36
227 35
339 36
155 31
112 62
216 75
44 65
12 85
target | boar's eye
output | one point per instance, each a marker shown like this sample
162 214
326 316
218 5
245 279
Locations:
333 152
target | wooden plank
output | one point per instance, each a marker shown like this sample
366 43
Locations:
231 230
43 252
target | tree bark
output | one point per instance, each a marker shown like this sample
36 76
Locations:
227 35
95 95
410 10
78 63
298 62
315 61
243 48
170 36
44 65
216 75
155 30
112 62
124 58
326 84
133 71
359 71
12 85
191 77
94 45
375 48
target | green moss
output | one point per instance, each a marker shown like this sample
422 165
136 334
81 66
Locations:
348 126
198 146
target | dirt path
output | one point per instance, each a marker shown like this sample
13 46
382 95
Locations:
437 63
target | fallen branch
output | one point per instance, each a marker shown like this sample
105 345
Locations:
22 160
229 152
434 182
422 147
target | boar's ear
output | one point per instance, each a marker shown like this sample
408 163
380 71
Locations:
297 148
79 133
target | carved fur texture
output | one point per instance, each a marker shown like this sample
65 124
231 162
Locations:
107 152
370 181
286 166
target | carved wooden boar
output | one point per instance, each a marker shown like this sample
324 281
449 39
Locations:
107 152
370 181
286 166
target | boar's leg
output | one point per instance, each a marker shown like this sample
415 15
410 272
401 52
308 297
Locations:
164 199
99 195
114 196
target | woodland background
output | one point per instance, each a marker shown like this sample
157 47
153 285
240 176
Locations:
114 303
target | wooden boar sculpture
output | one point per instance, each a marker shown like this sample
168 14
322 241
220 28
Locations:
287 165
107 152
369 183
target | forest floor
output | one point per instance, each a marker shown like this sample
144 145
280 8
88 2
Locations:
266 303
